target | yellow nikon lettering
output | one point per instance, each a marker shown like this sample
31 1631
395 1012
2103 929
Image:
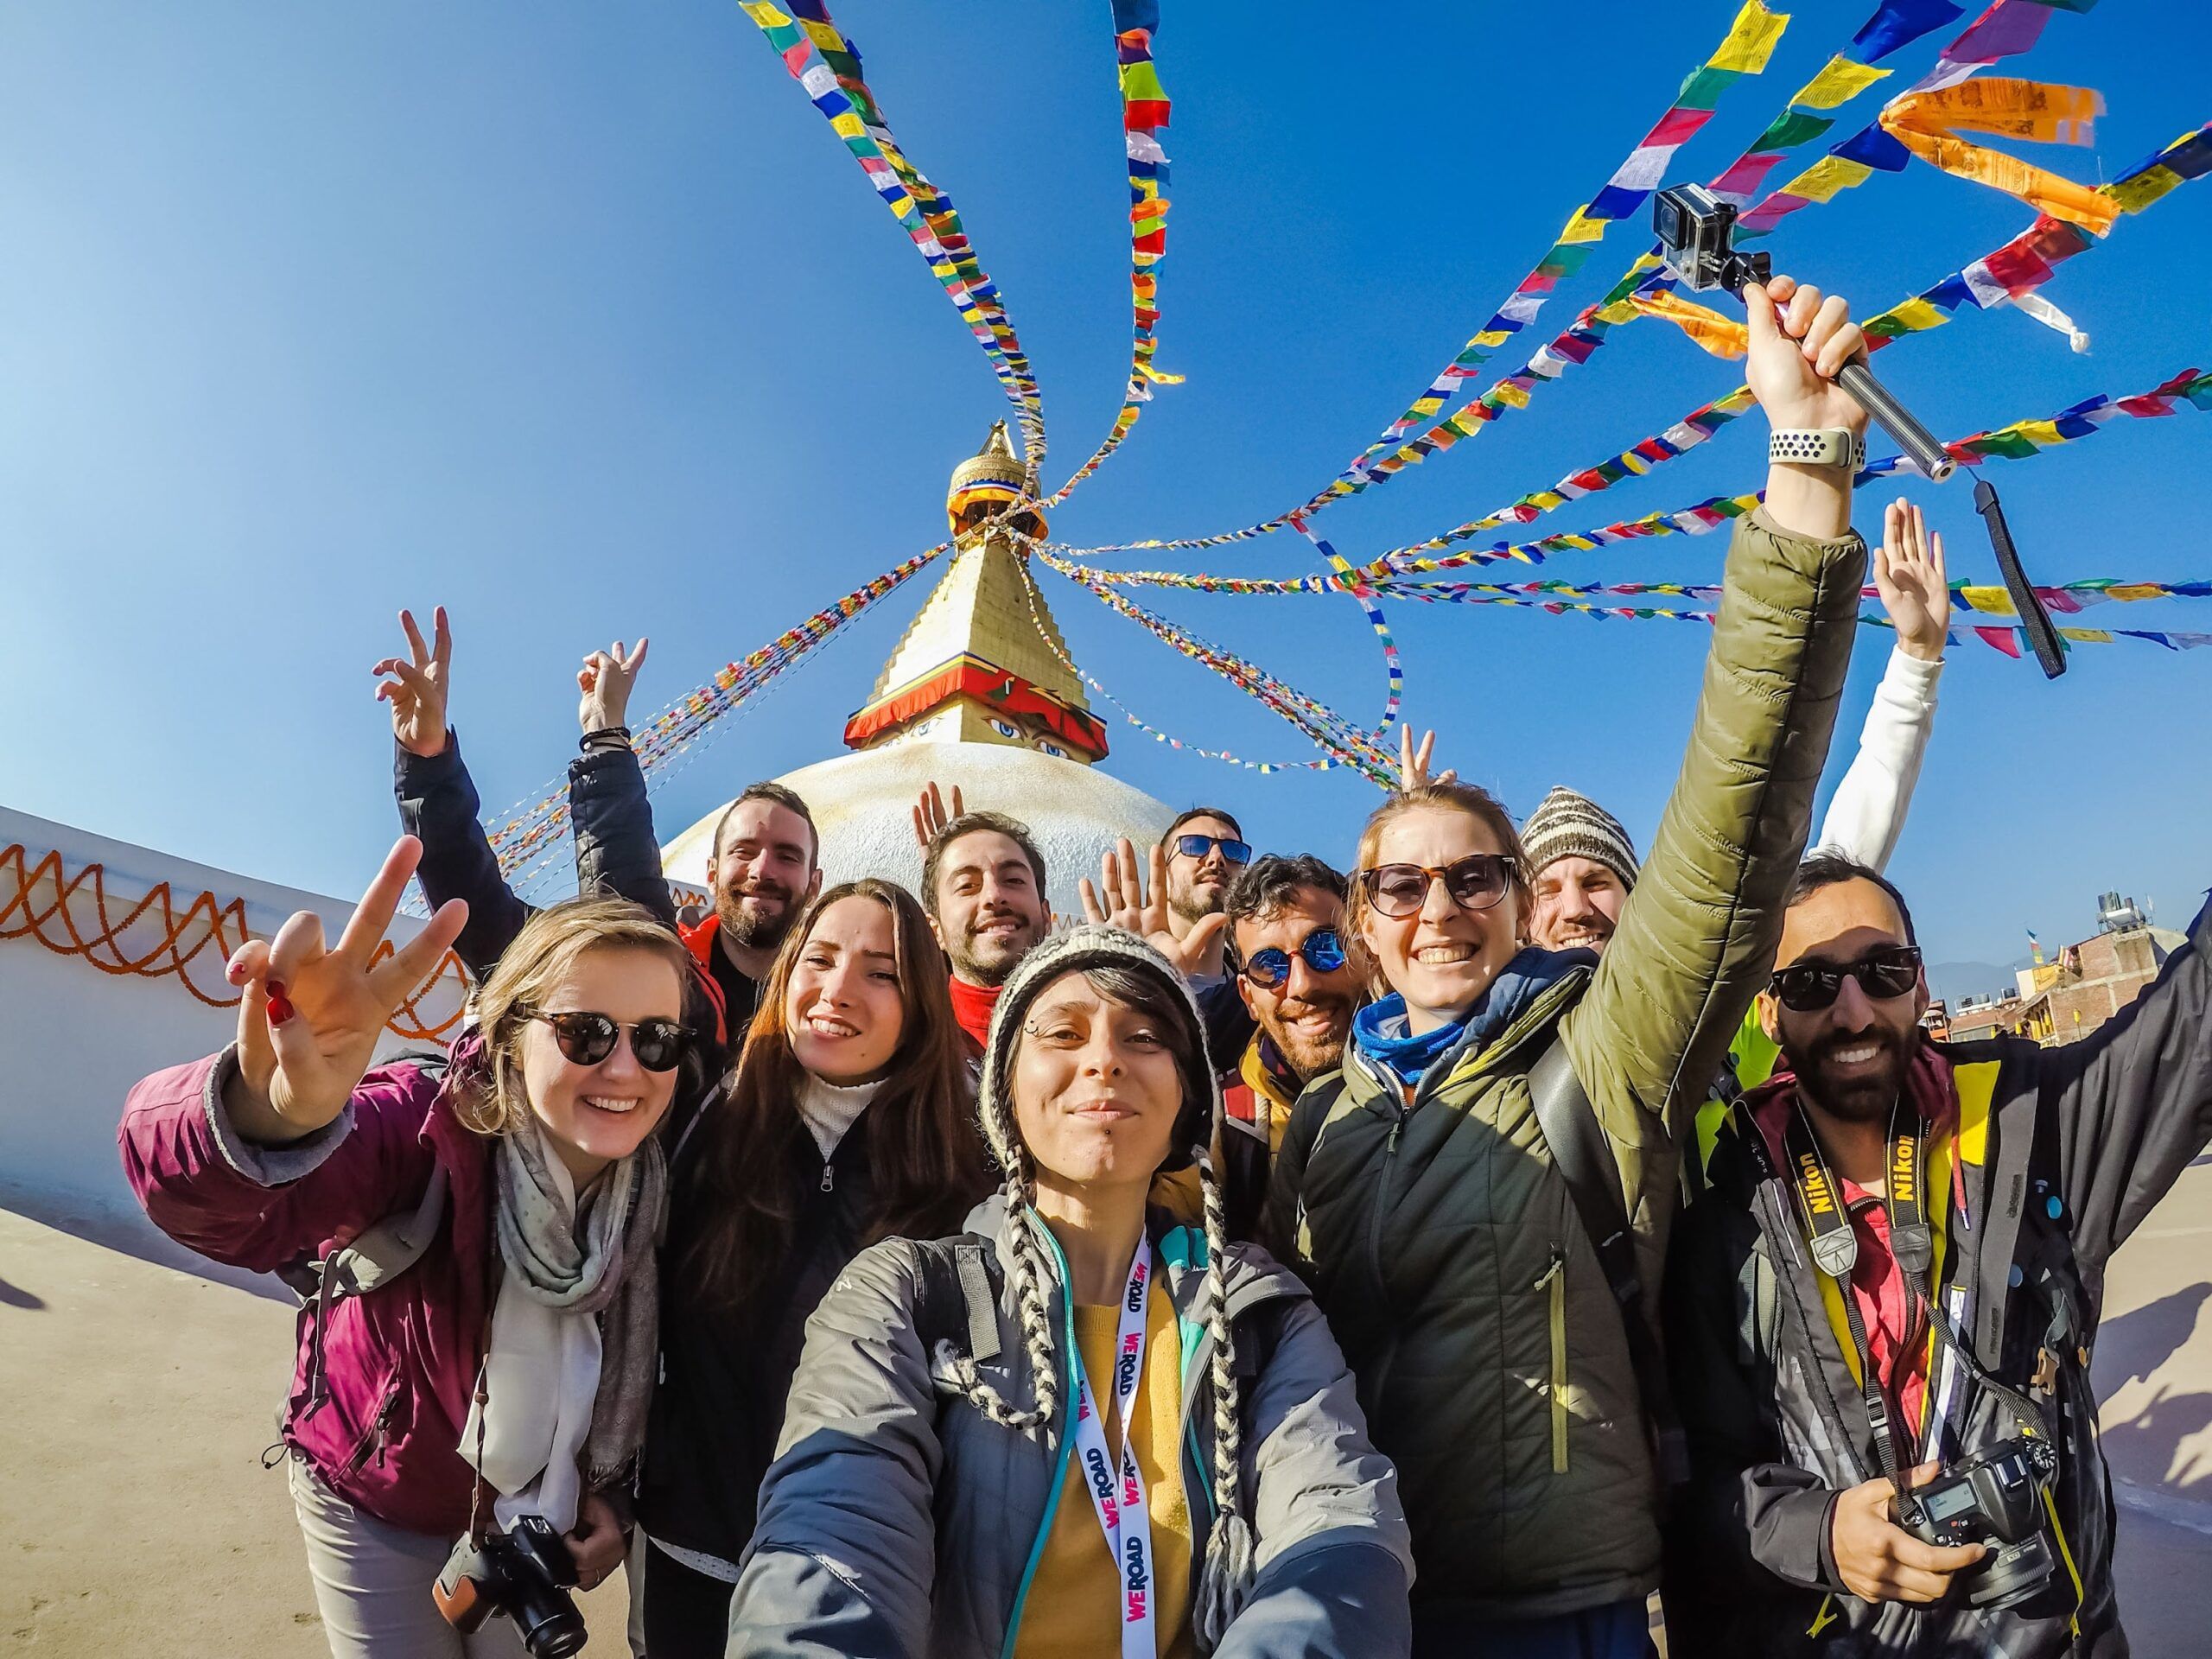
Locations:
1818 1198
1903 1180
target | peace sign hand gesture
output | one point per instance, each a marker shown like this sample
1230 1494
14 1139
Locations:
605 680
308 1017
416 690
1412 761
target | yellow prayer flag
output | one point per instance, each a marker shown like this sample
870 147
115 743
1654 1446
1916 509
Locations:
2135 590
2042 434
847 125
824 36
1916 314
1547 500
1991 601
1490 338
1838 83
1581 228
1751 42
1635 462
2086 636
763 13
2133 195
1820 181
1510 395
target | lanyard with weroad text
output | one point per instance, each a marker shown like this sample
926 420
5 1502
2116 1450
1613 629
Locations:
1116 1489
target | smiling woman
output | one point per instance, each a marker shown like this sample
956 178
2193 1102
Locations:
1081 1428
847 1120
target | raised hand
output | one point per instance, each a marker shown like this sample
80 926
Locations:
1797 351
416 690
1123 899
1915 586
930 814
1413 762
605 680
309 1017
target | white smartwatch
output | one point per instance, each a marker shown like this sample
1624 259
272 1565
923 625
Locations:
1826 446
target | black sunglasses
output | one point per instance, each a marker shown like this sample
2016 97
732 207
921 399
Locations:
1808 987
1237 852
588 1038
1475 882
1323 951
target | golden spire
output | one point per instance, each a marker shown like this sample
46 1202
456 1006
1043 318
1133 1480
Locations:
983 660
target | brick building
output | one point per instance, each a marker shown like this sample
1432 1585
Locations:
2062 1001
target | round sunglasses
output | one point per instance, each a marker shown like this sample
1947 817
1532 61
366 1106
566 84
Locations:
1808 987
586 1039
1236 852
1475 882
1321 951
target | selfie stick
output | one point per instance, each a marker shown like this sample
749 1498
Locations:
1917 442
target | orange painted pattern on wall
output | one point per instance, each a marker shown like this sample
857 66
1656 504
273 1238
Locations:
157 937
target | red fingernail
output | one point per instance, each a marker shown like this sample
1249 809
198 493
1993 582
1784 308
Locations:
280 1006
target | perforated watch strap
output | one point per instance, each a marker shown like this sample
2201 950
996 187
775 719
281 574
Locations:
1826 446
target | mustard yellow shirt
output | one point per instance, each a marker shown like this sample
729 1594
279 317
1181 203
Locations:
1073 1609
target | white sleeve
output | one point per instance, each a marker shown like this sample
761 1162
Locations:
1867 813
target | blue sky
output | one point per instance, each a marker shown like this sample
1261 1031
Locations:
577 319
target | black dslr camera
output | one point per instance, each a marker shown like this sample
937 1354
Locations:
1994 1498
1696 230
525 1573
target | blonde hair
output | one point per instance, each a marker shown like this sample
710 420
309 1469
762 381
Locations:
1451 796
543 954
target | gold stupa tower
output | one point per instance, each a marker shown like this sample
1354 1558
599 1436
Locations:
980 694
983 662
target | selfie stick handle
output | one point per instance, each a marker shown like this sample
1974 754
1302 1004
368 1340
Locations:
1917 442
2035 621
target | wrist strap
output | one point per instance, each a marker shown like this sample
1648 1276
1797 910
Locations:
1825 445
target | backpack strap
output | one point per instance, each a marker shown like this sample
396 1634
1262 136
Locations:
958 1301
1583 1159
373 1259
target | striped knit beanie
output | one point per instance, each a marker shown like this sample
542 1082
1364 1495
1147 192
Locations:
1226 1575
1569 825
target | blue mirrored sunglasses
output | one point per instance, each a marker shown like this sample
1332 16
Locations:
1322 950
1237 852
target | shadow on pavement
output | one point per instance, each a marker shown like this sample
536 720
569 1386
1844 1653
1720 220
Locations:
121 1227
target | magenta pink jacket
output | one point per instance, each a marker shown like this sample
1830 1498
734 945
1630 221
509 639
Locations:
400 1364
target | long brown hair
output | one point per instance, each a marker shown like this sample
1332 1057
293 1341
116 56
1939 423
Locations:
925 1158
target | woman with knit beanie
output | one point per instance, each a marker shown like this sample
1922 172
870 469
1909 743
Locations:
1080 1429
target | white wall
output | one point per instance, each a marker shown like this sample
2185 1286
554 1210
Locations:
74 1038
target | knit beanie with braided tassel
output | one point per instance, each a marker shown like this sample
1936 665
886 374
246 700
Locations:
1569 825
1228 1571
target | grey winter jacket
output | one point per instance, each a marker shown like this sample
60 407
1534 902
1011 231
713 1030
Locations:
898 1522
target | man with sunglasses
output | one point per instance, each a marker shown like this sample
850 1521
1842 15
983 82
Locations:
1286 926
1205 850
1899 1265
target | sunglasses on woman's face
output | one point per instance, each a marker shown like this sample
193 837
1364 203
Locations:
588 1038
1236 852
1475 882
1321 950
1808 987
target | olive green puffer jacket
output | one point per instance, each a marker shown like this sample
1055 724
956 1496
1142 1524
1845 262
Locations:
1438 1238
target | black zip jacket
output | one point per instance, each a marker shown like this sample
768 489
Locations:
2078 1145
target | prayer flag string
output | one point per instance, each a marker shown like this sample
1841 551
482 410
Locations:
834 83
1144 112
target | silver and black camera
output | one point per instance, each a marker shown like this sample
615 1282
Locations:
1696 230
1994 1498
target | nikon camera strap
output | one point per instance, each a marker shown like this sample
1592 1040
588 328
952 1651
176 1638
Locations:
1836 1252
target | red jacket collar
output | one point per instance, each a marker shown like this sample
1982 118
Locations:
972 1006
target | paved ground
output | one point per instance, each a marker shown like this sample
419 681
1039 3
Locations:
136 1518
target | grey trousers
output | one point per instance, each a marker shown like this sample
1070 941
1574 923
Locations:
373 1583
